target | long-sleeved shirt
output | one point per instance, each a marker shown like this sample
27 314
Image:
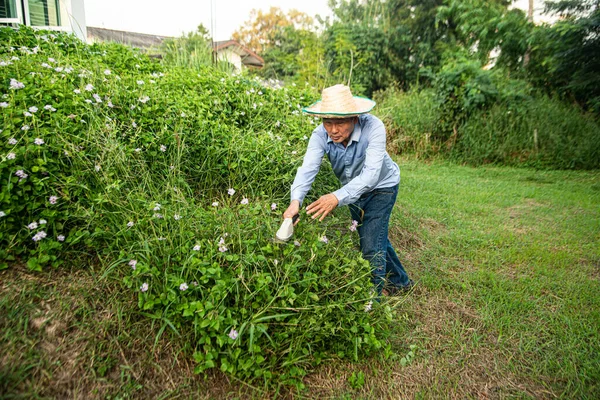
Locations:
362 166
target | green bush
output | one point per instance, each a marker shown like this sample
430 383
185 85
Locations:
540 132
411 119
175 178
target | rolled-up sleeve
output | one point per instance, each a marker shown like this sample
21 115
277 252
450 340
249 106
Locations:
371 171
306 174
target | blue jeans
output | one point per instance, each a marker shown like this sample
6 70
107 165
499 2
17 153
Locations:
372 211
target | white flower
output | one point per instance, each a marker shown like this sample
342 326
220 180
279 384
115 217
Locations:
158 215
215 204
3 104
88 101
25 128
368 306
324 239
53 199
233 334
110 104
59 69
231 191
140 82
144 287
304 137
2 214
97 98
163 148
277 123
39 141
144 99
12 141
177 217
21 174
15 84
196 248
132 264
28 114
107 72
10 156
43 222
33 109
39 236
273 207
48 107
89 87
60 238
183 287
76 91
97 168
130 224
134 124
32 225
157 207
244 201
222 249
52 60
138 150
182 114
296 243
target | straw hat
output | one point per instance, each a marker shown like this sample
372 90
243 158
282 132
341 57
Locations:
337 102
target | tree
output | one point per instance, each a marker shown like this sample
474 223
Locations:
565 56
260 31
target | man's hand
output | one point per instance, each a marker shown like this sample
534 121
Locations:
292 210
323 206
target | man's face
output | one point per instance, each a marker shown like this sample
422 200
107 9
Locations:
339 129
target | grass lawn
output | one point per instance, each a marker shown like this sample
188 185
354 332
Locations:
507 305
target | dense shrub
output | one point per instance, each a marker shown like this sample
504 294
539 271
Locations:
541 132
478 116
175 179
411 119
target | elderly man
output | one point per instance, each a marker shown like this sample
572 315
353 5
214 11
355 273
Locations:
354 141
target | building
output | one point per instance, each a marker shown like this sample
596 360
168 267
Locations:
59 15
236 54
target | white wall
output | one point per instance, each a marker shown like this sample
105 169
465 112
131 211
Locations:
232 57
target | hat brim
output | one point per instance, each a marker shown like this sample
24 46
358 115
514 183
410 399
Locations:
363 106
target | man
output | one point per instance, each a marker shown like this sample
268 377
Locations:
354 142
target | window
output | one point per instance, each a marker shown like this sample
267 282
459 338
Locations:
8 11
43 13
30 12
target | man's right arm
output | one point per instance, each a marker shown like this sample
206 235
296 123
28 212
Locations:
306 174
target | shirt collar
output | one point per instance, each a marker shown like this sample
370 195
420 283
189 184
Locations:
354 137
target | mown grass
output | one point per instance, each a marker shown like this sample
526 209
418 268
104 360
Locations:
507 305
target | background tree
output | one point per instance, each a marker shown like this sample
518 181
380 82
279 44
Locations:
262 30
565 56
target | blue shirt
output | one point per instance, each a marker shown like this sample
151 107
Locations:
362 166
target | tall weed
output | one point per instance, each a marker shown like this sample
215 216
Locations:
540 132
411 118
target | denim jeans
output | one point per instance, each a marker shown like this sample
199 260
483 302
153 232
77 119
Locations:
372 211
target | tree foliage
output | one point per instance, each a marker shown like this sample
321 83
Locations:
566 55
263 30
